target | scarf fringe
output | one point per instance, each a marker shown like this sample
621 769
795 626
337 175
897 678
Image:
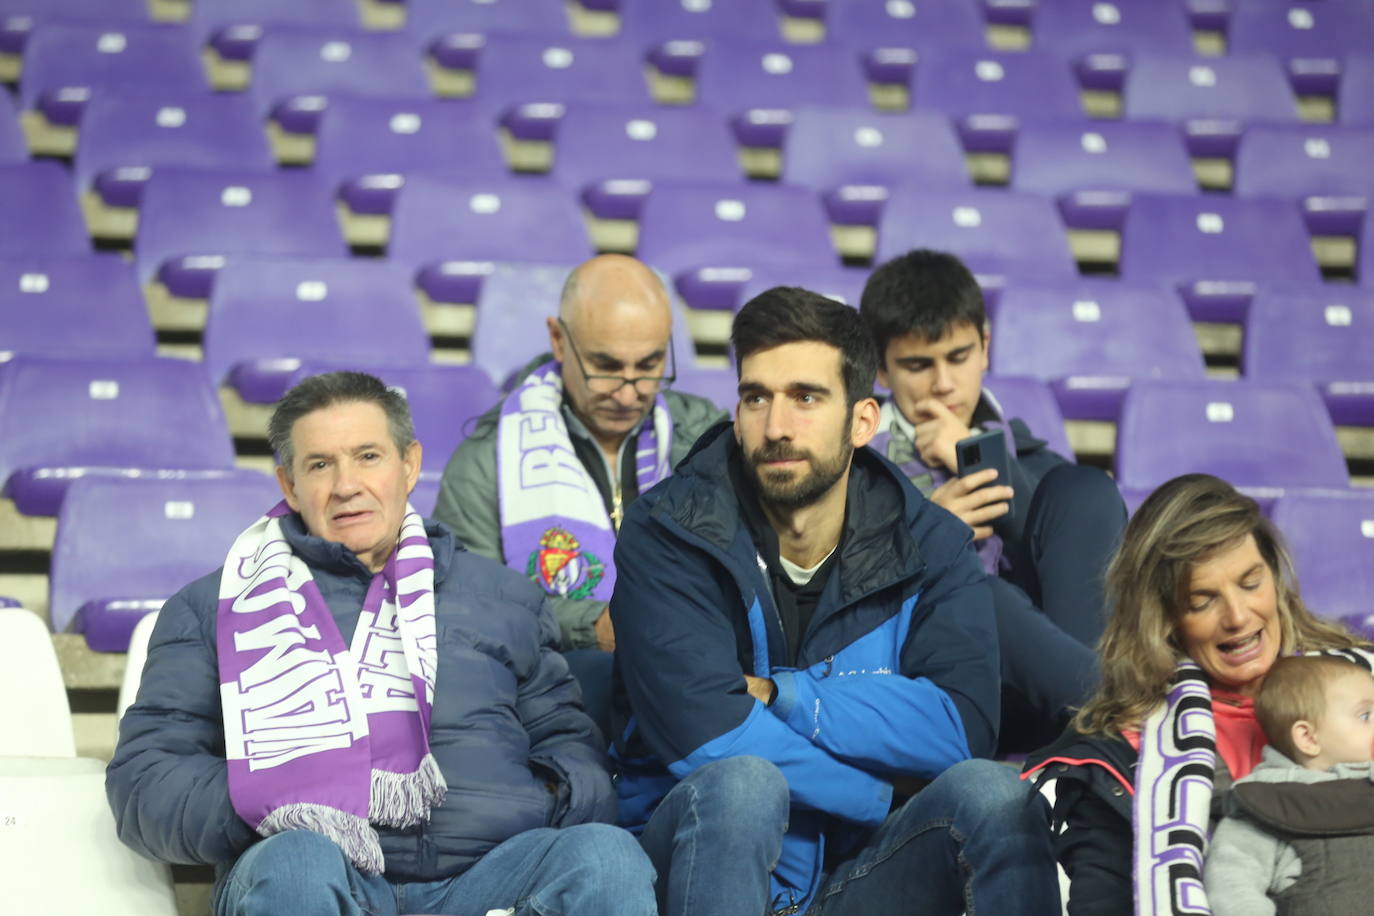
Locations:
404 799
350 833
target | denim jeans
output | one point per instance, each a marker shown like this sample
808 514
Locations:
589 870
976 839
715 837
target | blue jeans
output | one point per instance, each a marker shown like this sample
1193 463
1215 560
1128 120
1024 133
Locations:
715 837
975 839
588 869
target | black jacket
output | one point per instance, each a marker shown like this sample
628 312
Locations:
1094 779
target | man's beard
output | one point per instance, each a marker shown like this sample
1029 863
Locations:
791 490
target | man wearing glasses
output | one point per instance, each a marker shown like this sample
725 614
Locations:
545 478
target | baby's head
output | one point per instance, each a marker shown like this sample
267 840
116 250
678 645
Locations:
1318 710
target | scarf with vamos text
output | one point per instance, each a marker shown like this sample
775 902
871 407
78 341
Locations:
553 520
1173 798
319 736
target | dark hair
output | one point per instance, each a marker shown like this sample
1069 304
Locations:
922 292
320 391
789 314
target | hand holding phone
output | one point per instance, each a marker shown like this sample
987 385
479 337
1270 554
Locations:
987 449
979 495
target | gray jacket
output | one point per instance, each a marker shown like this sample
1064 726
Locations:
468 496
1248 866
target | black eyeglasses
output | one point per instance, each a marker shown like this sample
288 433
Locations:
610 384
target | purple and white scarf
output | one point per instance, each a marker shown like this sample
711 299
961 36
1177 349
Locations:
319 736
553 520
1173 794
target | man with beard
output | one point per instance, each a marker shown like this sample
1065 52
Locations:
807 660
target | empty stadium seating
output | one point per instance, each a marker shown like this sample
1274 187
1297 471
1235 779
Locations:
1266 435
1091 339
43 298
1320 335
1330 534
61 419
125 545
267 315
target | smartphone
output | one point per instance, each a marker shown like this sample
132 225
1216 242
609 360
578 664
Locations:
984 450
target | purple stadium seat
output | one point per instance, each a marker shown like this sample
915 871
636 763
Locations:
1003 236
611 154
1355 101
450 231
1323 168
451 30
1330 535
515 300
445 401
73 306
234 27
126 545
65 418
717 385
1322 335
1032 401
1103 38
19 17
990 94
1092 168
1212 97
854 157
40 214
364 147
528 78
123 138
1216 251
759 82
190 221
13 148
296 70
889 33
1310 38
687 25
701 234
1090 339
1253 434
843 284
266 315
64 64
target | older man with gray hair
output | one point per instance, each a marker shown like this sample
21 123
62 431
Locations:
355 715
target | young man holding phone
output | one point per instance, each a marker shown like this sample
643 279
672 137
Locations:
1044 530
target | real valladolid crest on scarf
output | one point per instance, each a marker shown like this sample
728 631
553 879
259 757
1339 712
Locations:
552 515
320 736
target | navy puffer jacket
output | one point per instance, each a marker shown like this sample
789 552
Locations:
507 729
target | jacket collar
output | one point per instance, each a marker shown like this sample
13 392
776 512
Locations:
876 549
335 558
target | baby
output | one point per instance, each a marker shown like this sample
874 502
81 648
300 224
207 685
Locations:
1298 836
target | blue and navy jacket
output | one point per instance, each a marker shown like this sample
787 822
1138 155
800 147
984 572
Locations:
895 676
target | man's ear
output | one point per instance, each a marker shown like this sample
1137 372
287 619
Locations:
284 481
411 460
1304 735
555 338
864 425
